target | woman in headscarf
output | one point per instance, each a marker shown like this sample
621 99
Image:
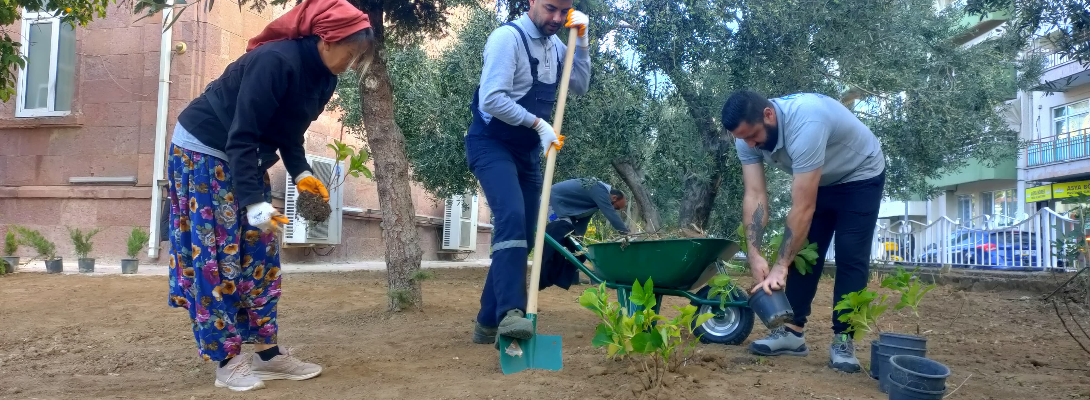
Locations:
225 251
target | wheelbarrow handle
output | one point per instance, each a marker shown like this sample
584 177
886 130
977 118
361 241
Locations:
571 258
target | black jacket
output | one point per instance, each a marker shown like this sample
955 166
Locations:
263 102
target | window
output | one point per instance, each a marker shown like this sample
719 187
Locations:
1071 120
1001 205
46 84
965 210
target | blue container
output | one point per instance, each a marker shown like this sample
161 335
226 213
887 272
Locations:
886 351
918 373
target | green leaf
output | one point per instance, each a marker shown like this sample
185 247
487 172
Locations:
589 299
802 266
649 294
636 297
642 343
366 172
702 318
603 336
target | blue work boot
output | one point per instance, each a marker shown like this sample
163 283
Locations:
781 342
842 354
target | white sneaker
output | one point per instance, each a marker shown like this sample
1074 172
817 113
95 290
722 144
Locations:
780 342
237 376
285 366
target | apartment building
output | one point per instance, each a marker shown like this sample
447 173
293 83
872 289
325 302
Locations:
82 142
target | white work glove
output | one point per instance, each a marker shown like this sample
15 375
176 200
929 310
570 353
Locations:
547 135
264 217
579 20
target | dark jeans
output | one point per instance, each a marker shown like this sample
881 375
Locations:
850 211
512 184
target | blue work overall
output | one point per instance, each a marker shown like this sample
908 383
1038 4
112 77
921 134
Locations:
506 160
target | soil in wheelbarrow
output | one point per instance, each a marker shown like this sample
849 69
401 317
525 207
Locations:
129 344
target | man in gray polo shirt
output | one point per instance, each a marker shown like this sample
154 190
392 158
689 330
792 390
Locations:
838 174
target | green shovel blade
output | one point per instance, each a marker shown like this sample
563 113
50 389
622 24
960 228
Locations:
538 352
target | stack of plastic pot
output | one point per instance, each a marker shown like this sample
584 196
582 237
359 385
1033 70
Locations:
894 344
916 378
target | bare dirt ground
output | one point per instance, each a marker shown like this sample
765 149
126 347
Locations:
114 337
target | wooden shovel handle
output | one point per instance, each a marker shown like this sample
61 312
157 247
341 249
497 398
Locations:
547 183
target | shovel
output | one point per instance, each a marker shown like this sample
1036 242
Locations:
540 351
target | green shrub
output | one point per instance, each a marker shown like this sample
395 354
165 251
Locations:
137 240
45 249
11 243
665 344
82 241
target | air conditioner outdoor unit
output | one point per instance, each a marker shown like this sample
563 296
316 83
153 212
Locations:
299 231
460 224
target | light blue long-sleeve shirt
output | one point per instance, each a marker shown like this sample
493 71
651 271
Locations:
505 77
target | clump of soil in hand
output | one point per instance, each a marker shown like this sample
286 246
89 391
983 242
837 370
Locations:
312 207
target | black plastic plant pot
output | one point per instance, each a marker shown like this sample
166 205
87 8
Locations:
773 310
898 391
918 373
12 262
874 359
54 266
899 339
884 354
129 267
86 265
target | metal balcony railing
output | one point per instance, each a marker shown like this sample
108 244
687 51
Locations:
1070 146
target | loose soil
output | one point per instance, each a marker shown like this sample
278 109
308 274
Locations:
80 337
312 207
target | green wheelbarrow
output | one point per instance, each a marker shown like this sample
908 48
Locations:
679 267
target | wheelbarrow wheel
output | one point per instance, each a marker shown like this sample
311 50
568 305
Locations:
730 326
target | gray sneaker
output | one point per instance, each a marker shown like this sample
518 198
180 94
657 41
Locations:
842 354
285 366
780 342
237 375
483 334
516 325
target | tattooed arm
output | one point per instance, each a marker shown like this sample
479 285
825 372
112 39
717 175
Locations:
754 207
804 189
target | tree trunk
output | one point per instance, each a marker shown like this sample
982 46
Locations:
634 179
387 145
700 191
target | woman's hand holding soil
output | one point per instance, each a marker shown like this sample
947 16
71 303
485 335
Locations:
306 182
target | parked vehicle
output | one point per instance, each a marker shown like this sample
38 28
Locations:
970 248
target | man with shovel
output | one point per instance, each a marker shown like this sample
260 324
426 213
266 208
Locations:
838 172
511 129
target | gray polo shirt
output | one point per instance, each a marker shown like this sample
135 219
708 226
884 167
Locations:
817 131
505 77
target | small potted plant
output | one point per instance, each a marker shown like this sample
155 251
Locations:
83 245
11 245
46 250
137 240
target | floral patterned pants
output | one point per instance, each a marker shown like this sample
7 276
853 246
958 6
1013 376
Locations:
222 269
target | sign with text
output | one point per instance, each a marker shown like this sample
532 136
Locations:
1070 189
1040 193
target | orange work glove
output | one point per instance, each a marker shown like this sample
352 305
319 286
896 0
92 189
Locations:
306 182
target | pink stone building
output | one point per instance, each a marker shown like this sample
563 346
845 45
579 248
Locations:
78 141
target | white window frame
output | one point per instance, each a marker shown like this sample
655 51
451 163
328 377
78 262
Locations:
1067 116
31 18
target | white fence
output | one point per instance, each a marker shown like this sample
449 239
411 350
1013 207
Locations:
1029 244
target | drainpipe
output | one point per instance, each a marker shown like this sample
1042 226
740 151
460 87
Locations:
158 175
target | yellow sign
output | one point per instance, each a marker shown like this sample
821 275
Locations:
1040 193
1070 189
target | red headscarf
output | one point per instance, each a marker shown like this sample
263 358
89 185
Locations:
331 20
